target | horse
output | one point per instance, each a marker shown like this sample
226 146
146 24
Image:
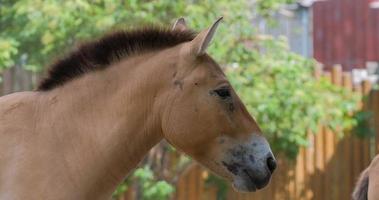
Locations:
368 182
104 105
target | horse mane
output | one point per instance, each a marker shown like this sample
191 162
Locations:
361 189
101 53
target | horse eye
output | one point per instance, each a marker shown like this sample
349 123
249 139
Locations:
223 93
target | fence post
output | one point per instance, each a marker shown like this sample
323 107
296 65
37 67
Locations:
375 104
337 75
366 89
348 143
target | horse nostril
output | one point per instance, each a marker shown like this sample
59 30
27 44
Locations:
271 164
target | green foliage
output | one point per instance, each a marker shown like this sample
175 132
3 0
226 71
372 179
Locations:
152 189
42 29
364 128
280 91
45 28
266 7
8 48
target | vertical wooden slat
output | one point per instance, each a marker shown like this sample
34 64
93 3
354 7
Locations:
347 147
206 190
328 137
310 167
285 178
337 75
325 146
291 181
191 185
328 143
319 157
347 81
366 88
195 183
375 109
300 174
375 104
335 175
357 144
280 178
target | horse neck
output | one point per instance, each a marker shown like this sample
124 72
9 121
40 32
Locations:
110 119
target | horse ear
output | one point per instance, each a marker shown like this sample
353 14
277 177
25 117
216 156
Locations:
201 42
180 25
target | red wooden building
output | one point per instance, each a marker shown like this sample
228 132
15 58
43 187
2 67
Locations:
346 32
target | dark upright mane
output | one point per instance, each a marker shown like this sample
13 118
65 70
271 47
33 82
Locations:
101 53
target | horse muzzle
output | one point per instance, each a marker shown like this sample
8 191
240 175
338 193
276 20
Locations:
251 165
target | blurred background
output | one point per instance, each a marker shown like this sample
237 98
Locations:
307 70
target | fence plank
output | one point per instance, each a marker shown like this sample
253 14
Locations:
300 174
357 161
319 157
366 88
337 75
310 166
375 106
375 122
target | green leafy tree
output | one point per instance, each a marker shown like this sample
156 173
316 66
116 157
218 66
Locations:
42 29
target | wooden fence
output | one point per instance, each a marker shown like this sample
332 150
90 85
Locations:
327 169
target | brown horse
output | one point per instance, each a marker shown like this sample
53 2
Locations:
108 102
367 187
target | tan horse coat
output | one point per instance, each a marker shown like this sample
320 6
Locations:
80 140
